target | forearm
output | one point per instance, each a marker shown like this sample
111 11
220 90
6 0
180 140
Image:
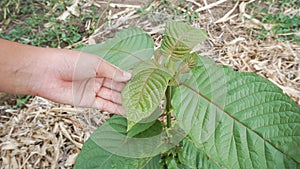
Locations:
24 68
17 63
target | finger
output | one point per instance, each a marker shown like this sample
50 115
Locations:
110 95
108 106
106 69
118 86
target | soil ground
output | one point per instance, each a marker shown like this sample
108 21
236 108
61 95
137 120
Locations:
43 134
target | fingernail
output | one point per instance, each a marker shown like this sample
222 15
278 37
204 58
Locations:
127 75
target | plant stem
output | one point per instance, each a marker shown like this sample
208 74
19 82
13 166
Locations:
168 105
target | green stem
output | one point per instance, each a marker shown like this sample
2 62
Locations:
168 105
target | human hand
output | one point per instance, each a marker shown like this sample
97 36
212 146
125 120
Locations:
64 76
80 79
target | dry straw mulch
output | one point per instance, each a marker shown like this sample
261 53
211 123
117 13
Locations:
50 135
45 134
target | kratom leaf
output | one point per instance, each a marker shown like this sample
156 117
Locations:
112 136
153 163
192 157
171 163
143 93
149 124
93 155
126 49
188 63
179 39
138 128
144 130
239 119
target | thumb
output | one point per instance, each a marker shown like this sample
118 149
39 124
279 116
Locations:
108 70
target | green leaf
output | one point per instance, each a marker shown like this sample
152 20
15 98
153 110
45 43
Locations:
144 130
93 155
192 157
171 163
144 122
239 119
148 127
179 39
112 136
143 93
139 128
126 49
188 63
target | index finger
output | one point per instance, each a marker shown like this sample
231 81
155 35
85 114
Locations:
108 70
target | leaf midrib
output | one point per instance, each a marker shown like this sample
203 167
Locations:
146 80
235 119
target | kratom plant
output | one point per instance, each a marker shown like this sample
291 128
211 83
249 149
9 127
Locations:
184 111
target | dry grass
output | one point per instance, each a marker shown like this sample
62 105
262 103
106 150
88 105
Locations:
45 134
49 135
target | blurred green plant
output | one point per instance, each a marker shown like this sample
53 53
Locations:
9 8
173 11
14 101
284 25
35 23
22 100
